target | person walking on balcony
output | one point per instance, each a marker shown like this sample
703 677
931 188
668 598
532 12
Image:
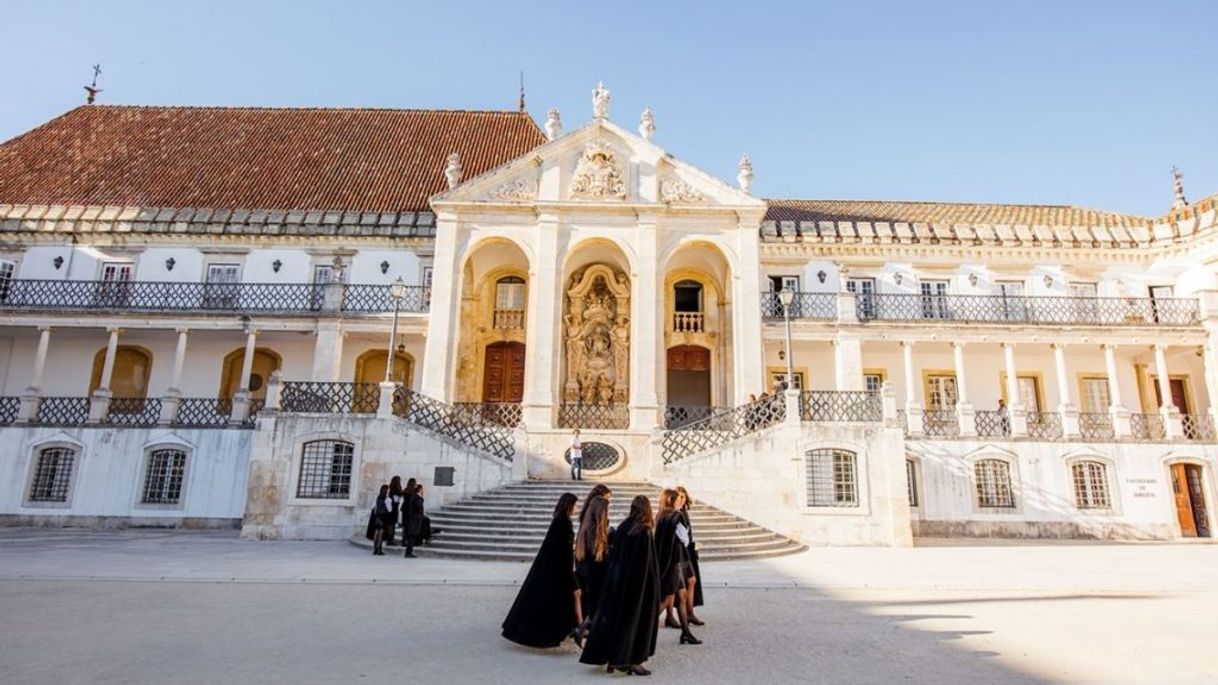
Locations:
1004 417
547 608
577 456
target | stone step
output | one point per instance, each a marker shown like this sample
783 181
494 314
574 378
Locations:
535 537
509 528
530 548
701 529
488 555
543 517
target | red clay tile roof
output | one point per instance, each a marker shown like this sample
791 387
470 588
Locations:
946 213
375 160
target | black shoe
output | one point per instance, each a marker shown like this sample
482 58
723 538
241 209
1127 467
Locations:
687 638
577 636
670 622
636 670
409 554
695 621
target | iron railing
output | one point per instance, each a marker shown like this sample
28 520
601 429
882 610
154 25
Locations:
171 296
721 428
1198 427
843 405
318 397
499 413
596 416
203 412
803 306
251 416
678 415
9 407
1147 427
63 411
940 423
992 423
688 322
1044 425
508 319
133 411
1090 311
368 298
1095 426
467 428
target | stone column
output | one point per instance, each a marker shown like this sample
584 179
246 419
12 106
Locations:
241 401
443 320
848 362
913 408
1067 407
965 415
748 350
646 326
1121 426
1016 409
28 410
1210 361
542 339
1173 428
173 396
328 352
99 407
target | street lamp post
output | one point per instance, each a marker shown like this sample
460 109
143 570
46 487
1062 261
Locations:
787 296
397 291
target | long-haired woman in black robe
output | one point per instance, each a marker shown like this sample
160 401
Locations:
598 490
693 582
672 562
592 555
381 511
546 610
623 632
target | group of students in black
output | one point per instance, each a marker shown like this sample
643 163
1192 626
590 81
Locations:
604 588
392 500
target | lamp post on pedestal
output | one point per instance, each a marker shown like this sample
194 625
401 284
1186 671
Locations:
787 296
397 291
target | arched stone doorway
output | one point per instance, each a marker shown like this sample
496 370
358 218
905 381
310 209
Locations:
698 315
266 362
689 376
370 367
493 315
132 366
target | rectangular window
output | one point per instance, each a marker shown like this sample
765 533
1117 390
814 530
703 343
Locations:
325 470
52 475
115 287
1090 485
832 478
994 484
6 276
427 271
323 274
911 482
1084 307
864 296
220 290
1011 300
872 382
163 481
509 294
941 391
1095 395
934 300
776 377
780 283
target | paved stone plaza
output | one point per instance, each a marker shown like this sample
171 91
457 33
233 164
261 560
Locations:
156 607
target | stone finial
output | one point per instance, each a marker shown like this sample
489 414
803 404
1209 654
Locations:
553 124
1178 185
647 124
600 101
452 171
744 173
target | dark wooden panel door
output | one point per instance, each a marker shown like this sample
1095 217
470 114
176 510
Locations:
503 373
1178 396
1196 497
1184 506
688 358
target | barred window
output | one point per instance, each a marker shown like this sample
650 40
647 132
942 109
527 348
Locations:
163 481
832 478
325 470
911 482
1091 485
994 484
52 475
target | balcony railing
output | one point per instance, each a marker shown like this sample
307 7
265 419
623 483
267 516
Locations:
133 411
165 296
595 416
1198 427
688 322
721 428
676 416
1096 426
992 423
1147 427
509 319
1081 311
203 412
316 397
834 405
1044 425
940 423
469 428
63 411
499 413
9 406
803 306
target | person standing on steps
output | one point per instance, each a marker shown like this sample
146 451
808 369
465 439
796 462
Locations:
396 497
547 608
418 525
406 494
577 456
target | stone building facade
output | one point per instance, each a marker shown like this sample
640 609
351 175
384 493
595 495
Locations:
254 317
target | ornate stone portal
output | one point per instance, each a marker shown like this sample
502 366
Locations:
597 337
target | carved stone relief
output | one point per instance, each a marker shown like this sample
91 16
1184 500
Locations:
675 190
520 189
598 175
596 335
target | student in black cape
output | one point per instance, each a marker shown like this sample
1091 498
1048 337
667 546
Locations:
693 584
623 632
396 496
672 562
416 523
598 490
592 555
546 610
381 511
407 493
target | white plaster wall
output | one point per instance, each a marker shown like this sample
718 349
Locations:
108 475
187 266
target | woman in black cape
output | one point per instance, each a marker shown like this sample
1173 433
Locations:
378 518
623 632
693 585
592 547
671 558
546 610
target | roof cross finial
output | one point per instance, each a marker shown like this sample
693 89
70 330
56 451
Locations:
1178 186
92 89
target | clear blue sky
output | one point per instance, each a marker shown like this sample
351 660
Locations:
1086 103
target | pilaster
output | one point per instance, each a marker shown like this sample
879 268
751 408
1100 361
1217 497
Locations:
647 321
541 334
748 351
441 343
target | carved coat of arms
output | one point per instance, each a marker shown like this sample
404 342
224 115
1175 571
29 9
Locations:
598 176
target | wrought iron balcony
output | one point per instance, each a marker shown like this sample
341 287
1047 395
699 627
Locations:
317 397
165 296
688 322
821 306
509 319
998 309
9 406
840 405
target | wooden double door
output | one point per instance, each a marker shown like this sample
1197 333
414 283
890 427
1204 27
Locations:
503 372
1189 489
689 376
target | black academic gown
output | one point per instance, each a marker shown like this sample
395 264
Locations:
591 574
669 553
543 614
623 631
416 525
692 556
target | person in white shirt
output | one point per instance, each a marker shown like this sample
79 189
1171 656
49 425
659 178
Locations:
577 456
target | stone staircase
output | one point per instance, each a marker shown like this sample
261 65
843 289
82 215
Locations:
509 523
